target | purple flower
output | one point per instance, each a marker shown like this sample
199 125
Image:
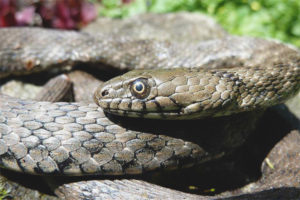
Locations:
25 16
68 14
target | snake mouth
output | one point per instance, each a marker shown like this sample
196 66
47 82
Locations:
165 115
150 109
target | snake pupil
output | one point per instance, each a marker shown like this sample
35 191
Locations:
139 87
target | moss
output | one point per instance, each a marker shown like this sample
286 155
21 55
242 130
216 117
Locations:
3 192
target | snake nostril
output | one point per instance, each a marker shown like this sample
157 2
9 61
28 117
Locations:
104 93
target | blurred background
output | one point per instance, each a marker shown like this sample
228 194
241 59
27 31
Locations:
278 19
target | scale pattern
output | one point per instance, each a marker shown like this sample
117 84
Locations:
77 139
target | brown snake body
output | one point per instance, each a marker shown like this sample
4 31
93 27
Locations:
221 77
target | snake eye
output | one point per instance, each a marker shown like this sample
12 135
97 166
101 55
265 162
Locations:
140 88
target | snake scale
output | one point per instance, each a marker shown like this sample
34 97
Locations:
219 76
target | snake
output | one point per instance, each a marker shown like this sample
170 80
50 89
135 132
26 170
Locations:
216 77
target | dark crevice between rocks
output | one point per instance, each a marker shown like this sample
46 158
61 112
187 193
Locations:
102 72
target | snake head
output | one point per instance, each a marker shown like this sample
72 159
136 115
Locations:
140 93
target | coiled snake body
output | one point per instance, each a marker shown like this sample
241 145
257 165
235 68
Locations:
217 77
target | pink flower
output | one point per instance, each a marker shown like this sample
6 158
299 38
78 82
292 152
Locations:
64 14
126 1
88 13
25 16
68 14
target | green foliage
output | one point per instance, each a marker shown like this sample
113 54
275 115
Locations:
3 193
264 18
115 8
